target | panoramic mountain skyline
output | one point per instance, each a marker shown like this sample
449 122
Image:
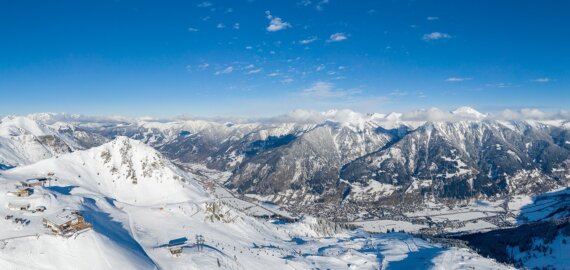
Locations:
266 58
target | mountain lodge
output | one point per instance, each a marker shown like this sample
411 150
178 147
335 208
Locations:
66 223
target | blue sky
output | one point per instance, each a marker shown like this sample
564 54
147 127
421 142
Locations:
262 58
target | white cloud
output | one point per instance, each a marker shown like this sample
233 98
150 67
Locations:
311 116
436 36
220 26
254 71
431 114
227 70
276 23
437 115
192 29
337 37
350 111
204 66
205 4
431 18
308 40
273 74
501 85
457 79
398 93
320 4
524 114
236 26
467 113
327 90
542 80
287 80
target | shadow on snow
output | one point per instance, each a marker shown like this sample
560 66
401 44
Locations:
104 224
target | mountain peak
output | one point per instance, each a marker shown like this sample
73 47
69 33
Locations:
124 169
469 113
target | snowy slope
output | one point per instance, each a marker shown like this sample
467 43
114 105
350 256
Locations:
88 251
123 169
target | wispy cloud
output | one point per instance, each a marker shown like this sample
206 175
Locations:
276 23
327 90
236 26
254 71
286 80
220 26
398 93
542 80
501 85
432 18
308 40
436 36
192 29
205 4
319 5
227 70
337 37
458 79
524 114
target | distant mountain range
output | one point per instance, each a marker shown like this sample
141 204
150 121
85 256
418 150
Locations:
341 165
331 157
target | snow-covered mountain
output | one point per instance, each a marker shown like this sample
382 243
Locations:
24 141
124 169
28 139
143 182
467 158
307 155
137 202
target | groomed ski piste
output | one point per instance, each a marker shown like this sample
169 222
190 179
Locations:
137 202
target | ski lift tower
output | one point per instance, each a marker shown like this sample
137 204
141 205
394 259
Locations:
200 241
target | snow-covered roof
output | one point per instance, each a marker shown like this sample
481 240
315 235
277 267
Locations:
35 180
64 216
